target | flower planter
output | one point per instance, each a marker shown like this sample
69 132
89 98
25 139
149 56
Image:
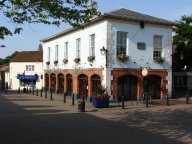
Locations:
101 103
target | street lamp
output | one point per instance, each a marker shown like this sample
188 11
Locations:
144 73
104 52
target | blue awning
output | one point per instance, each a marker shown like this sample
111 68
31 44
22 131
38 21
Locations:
27 77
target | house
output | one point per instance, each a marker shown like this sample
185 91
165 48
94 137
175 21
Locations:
4 70
127 51
26 70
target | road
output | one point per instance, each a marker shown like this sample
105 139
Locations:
28 119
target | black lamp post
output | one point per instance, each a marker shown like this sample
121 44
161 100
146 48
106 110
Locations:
144 73
104 51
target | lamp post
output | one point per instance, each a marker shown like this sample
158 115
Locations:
144 73
104 51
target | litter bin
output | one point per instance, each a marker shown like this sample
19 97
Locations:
81 106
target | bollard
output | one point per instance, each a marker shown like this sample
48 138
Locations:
36 92
27 90
51 97
45 92
123 103
167 100
64 98
18 89
41 92
146 96
73 100
187 98
33 91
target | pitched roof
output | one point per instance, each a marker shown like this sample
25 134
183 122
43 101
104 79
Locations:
4 68
28 56
121 13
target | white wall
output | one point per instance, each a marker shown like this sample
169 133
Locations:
100 37
141 58
19 68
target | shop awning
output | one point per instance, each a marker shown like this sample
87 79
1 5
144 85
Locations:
27 77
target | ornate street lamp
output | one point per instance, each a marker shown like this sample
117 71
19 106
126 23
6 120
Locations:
104 51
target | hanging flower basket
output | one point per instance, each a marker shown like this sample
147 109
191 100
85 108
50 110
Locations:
91 58
159 59
48 63
77 60
122 57
65 61
55 62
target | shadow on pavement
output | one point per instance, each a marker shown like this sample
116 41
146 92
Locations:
20 124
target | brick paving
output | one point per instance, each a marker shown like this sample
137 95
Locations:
30 119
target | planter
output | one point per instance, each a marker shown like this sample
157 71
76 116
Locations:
81 106
101 103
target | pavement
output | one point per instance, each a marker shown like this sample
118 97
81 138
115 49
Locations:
31 119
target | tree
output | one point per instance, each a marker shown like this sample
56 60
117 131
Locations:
6 60
55 12
182 40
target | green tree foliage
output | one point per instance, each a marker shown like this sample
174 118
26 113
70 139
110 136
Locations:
6 60
182 40
55 12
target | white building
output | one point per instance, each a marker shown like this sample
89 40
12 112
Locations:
26 70
131 41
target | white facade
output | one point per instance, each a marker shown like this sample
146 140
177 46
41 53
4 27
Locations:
105 31
17 68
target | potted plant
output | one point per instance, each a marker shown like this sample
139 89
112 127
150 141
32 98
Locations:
159 59
77 60
65 61
122 57
55 62
48 63
101 97
91 58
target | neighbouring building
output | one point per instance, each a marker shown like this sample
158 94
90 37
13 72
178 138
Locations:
112 50
4 70
26 70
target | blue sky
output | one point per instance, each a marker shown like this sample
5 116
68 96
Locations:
30 37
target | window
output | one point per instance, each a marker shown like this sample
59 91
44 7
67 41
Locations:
78 45
30 68
92 45
56 52
157 45
121 43
48 54
66 50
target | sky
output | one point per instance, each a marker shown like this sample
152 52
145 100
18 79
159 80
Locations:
30 37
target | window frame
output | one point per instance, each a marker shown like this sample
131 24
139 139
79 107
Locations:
92 45
78 47
121 43
157 46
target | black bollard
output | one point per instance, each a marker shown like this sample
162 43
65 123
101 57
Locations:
64 98
146 96
167 100
36 92
123 103
51 97
33 91
27 90
45 92
41 92
73 100
18 89
187 98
